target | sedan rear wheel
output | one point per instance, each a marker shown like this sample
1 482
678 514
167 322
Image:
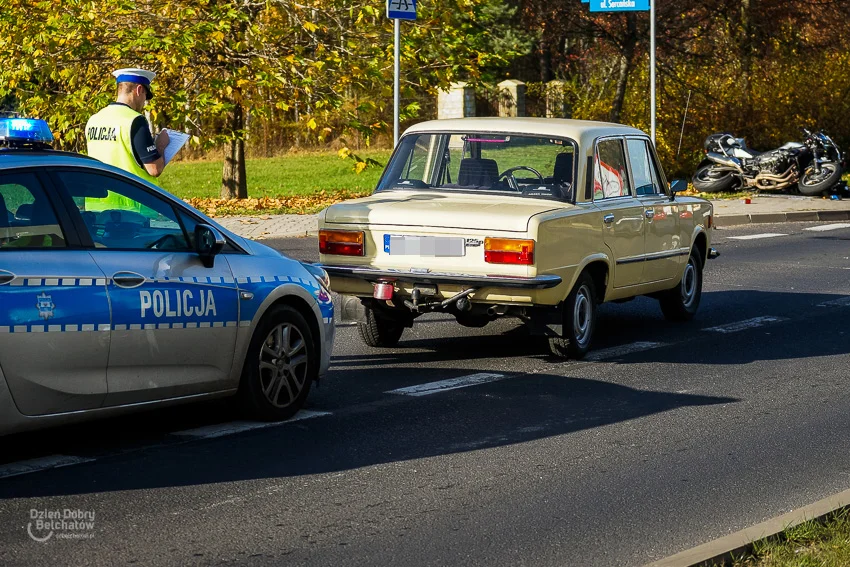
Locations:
379 330
579 320
280 366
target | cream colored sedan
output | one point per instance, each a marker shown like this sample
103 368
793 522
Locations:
540 219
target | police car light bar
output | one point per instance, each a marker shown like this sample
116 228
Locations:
25 132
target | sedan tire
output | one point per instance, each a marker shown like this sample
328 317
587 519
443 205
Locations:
681 302
380 331
579 320
281 365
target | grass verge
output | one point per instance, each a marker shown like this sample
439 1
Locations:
822 542
301 183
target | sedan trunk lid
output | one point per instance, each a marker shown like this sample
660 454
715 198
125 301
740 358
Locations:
441 210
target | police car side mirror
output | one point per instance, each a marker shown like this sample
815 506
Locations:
208 243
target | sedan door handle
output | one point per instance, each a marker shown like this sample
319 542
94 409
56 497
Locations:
609 218
650 213
128 279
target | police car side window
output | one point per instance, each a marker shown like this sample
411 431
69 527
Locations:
119 215
27 219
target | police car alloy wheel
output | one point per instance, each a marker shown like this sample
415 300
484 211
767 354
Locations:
281 364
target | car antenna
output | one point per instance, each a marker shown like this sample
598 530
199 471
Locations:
684 118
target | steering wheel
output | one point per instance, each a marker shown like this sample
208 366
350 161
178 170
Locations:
167 242
512 182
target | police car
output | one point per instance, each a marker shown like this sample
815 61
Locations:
115 295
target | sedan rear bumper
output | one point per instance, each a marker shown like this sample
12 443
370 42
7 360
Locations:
545 281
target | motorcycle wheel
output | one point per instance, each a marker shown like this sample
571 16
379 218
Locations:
713 179
812 183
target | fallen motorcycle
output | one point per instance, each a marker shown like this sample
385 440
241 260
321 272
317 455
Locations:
811 168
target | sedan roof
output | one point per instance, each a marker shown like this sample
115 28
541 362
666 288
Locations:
583 131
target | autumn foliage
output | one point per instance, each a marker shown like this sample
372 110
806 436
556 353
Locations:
235 73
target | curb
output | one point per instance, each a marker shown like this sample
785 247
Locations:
800 216
725 548
290 234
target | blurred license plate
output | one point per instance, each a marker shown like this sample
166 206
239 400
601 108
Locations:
434 246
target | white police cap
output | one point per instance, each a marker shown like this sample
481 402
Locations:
138 76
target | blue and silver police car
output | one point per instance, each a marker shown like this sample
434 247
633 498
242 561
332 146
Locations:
116 295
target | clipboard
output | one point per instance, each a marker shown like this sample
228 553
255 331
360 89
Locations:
176 140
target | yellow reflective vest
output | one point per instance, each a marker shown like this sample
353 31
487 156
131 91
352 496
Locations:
108 139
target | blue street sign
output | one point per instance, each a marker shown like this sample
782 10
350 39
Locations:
619 5
401 9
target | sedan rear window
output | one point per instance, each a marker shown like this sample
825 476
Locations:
521 165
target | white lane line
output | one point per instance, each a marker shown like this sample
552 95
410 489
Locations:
40 464
756 236
826 227
621 350
840 302
449 384
746 324
223 429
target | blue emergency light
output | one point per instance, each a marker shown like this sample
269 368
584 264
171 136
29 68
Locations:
25 132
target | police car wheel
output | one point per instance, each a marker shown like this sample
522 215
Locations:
280 366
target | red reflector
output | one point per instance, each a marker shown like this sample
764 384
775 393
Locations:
383 290
341 242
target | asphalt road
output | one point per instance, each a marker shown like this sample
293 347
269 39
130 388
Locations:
671 436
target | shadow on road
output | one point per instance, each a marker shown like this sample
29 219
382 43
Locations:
509 412
392 428
805 331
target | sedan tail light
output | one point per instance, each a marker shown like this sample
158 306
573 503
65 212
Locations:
341 242
508 251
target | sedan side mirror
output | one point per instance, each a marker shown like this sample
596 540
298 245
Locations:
678 186
208 243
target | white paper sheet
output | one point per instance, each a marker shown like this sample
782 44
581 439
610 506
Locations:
176 140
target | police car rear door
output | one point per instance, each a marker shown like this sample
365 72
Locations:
174 320
54 320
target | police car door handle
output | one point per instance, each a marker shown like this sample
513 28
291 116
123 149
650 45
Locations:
128 279
6 277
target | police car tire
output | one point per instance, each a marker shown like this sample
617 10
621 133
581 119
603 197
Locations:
251 398
379 331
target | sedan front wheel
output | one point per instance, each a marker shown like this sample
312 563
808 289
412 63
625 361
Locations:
681 302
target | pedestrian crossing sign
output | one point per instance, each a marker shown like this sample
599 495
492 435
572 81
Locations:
401 9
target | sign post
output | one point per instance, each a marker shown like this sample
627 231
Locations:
398 10
635 6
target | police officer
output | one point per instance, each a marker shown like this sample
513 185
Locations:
119 134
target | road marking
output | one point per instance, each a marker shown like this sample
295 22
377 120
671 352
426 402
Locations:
840 302
621 350
449 384
40 464
746 324
756 236
826 227
233 427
